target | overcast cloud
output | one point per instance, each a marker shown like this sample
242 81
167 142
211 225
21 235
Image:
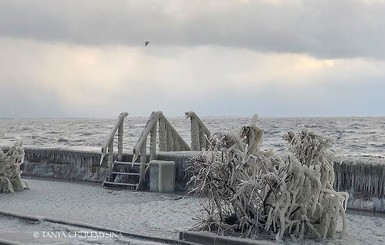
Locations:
274 57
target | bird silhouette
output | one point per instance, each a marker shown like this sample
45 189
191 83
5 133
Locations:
146 43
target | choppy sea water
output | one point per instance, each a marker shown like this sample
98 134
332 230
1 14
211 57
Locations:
353 136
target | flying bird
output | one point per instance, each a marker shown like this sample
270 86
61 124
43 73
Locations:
146 43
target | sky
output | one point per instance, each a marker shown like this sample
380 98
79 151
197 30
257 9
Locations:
277 58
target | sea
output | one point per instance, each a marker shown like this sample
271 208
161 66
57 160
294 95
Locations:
353 136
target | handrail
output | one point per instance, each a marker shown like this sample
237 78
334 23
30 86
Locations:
169 139
199 132
151 123
108 146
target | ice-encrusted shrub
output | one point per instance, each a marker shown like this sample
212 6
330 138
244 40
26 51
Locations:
10 172
259 194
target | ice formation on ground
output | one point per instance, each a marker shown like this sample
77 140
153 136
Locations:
261 194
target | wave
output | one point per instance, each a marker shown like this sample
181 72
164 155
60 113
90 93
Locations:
352 135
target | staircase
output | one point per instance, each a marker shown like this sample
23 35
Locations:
120 173
123 174
161 135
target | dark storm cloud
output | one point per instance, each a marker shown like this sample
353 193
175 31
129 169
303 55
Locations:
323 28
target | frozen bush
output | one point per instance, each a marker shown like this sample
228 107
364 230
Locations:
260 194
10 172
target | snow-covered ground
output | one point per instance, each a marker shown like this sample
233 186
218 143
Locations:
154 214
162 215
20 231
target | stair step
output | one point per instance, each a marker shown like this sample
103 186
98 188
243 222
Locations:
119 183
124 173
127 163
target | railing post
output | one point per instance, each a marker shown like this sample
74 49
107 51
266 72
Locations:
110 157
202 139
177 145
168 138
195 142
142 160
153 142
120 142
162 135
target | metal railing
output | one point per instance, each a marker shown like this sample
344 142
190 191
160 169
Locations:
108 146
169 139
199 132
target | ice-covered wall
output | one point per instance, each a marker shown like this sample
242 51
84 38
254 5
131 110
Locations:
84 165
63 164
364 179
